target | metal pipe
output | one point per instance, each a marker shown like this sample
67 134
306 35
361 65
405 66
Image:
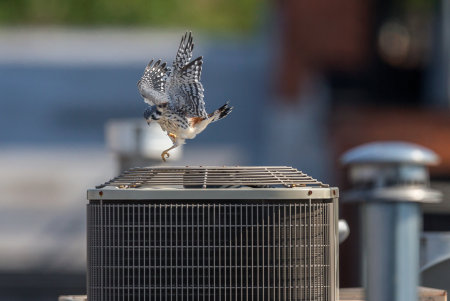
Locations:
391 248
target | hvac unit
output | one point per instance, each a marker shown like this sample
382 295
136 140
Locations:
212 233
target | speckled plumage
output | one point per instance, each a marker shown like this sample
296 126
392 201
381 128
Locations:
175 95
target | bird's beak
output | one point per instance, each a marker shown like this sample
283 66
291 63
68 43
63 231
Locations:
148 121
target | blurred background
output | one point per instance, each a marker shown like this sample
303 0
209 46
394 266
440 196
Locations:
308 81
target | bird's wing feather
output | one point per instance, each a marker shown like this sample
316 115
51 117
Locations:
152 84
193 88
184 53
186 90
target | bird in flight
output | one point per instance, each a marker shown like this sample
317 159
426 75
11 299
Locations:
175 96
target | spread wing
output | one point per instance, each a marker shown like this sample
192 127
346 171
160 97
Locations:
152 84
184 87
184 53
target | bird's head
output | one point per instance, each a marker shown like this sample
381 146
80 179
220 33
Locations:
154 113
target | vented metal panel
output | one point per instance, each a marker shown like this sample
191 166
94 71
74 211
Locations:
211 250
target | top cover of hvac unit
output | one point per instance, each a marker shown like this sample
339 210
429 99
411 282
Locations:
195 183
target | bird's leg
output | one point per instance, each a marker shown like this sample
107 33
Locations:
172 137
165 154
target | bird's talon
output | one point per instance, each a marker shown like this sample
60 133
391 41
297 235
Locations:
165 155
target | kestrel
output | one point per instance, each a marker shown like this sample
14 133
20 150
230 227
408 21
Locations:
175 96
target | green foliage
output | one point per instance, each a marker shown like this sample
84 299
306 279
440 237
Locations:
420 5
234 15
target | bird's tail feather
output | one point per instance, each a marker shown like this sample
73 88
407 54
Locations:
221 112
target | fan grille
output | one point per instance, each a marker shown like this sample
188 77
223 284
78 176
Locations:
208 177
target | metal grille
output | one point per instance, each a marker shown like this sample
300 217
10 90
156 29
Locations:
209 177
211 250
